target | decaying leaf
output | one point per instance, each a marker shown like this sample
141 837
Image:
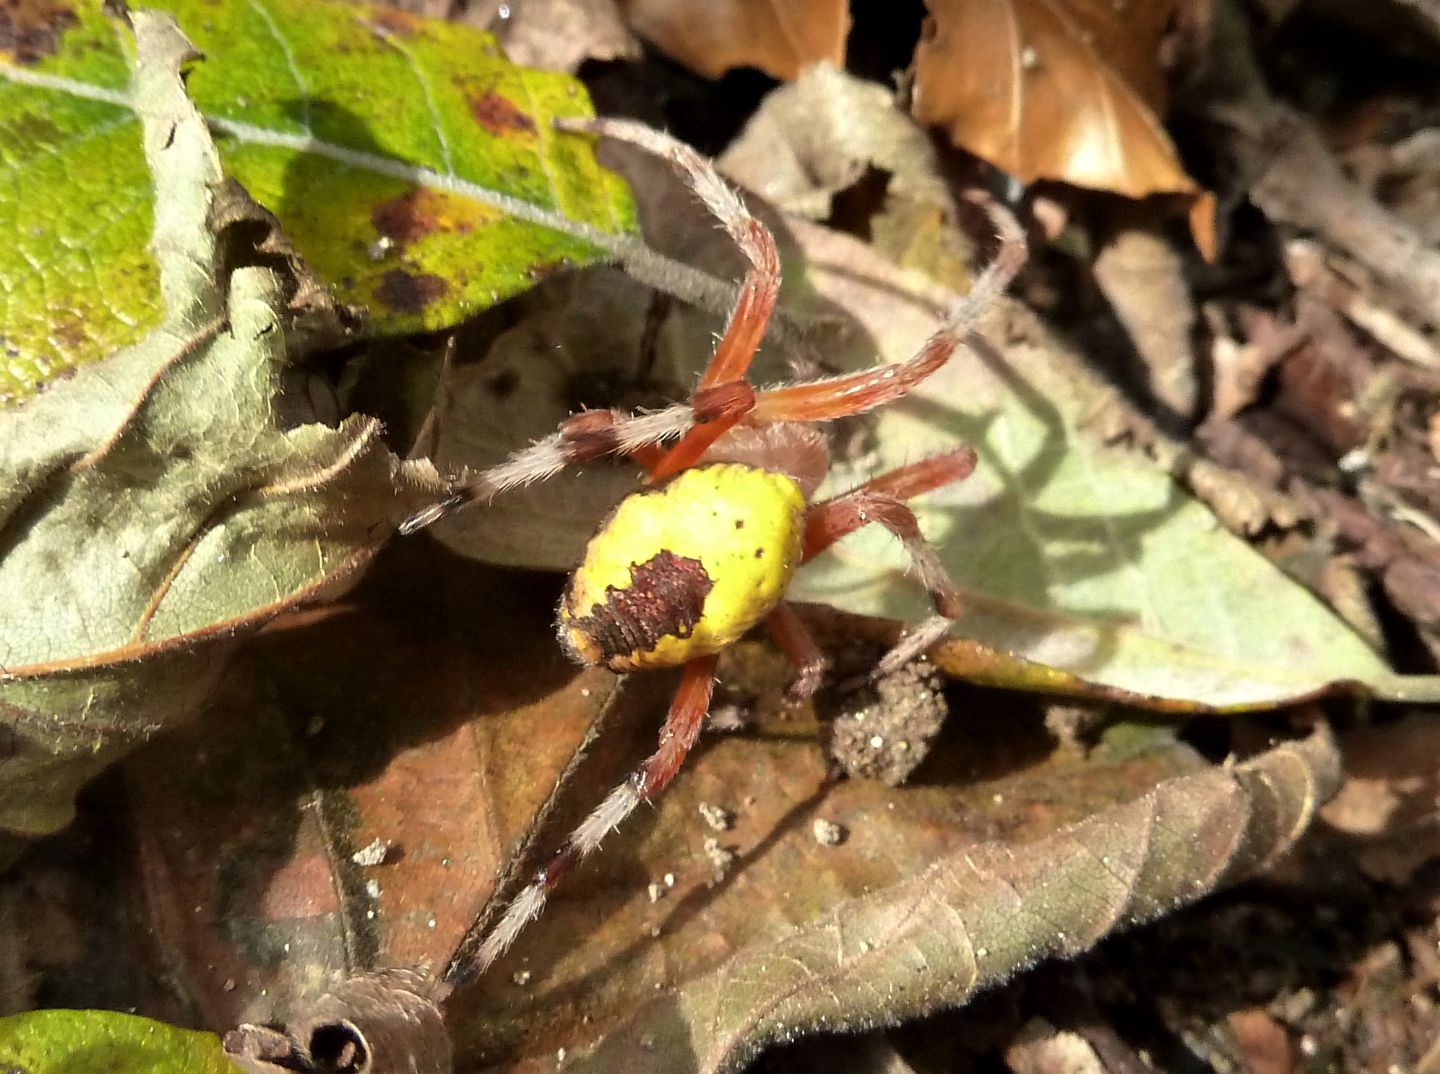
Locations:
178 493
978 916
780 37
414 166
57 1042
1055 89
1389 801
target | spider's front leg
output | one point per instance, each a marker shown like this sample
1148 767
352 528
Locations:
754 303
723 397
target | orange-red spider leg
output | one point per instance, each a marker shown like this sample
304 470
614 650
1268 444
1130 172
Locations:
795 641
677 737
753 304
826 523
756 300
648 456
855 393
913 479
879 501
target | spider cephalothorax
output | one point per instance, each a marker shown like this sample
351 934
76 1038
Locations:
681 569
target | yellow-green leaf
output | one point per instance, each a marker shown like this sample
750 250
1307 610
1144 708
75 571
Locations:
414 167
158 503
62 1042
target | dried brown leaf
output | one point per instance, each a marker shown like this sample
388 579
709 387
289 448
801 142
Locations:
390 757
978 915
1070 90
780 37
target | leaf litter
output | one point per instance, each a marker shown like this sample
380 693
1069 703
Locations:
1074 557
706 1025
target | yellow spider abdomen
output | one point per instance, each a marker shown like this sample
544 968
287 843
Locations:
684 570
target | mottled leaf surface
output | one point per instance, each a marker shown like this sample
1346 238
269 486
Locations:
175 494
407 159
62 1042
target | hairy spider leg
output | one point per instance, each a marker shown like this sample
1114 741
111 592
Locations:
721 403
902 483
580 438
754 302
878 500
796 642
756 299
722 398
677 737
855 393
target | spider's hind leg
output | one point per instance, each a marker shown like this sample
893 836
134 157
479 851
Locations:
682 727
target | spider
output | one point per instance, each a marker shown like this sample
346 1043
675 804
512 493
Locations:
684 567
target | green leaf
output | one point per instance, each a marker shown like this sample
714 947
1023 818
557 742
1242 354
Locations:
67 1042
414 167
161 502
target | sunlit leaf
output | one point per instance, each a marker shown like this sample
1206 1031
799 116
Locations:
780 37
1052 89
66 1042
978 915
1071 90
407 159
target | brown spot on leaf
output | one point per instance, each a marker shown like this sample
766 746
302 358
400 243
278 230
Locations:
415 214
665 598
499 115
410 292
503 384
389 20
30 29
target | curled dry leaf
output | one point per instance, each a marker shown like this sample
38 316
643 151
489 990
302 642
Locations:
978 916
175 495
824 133
378 1022
780 37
